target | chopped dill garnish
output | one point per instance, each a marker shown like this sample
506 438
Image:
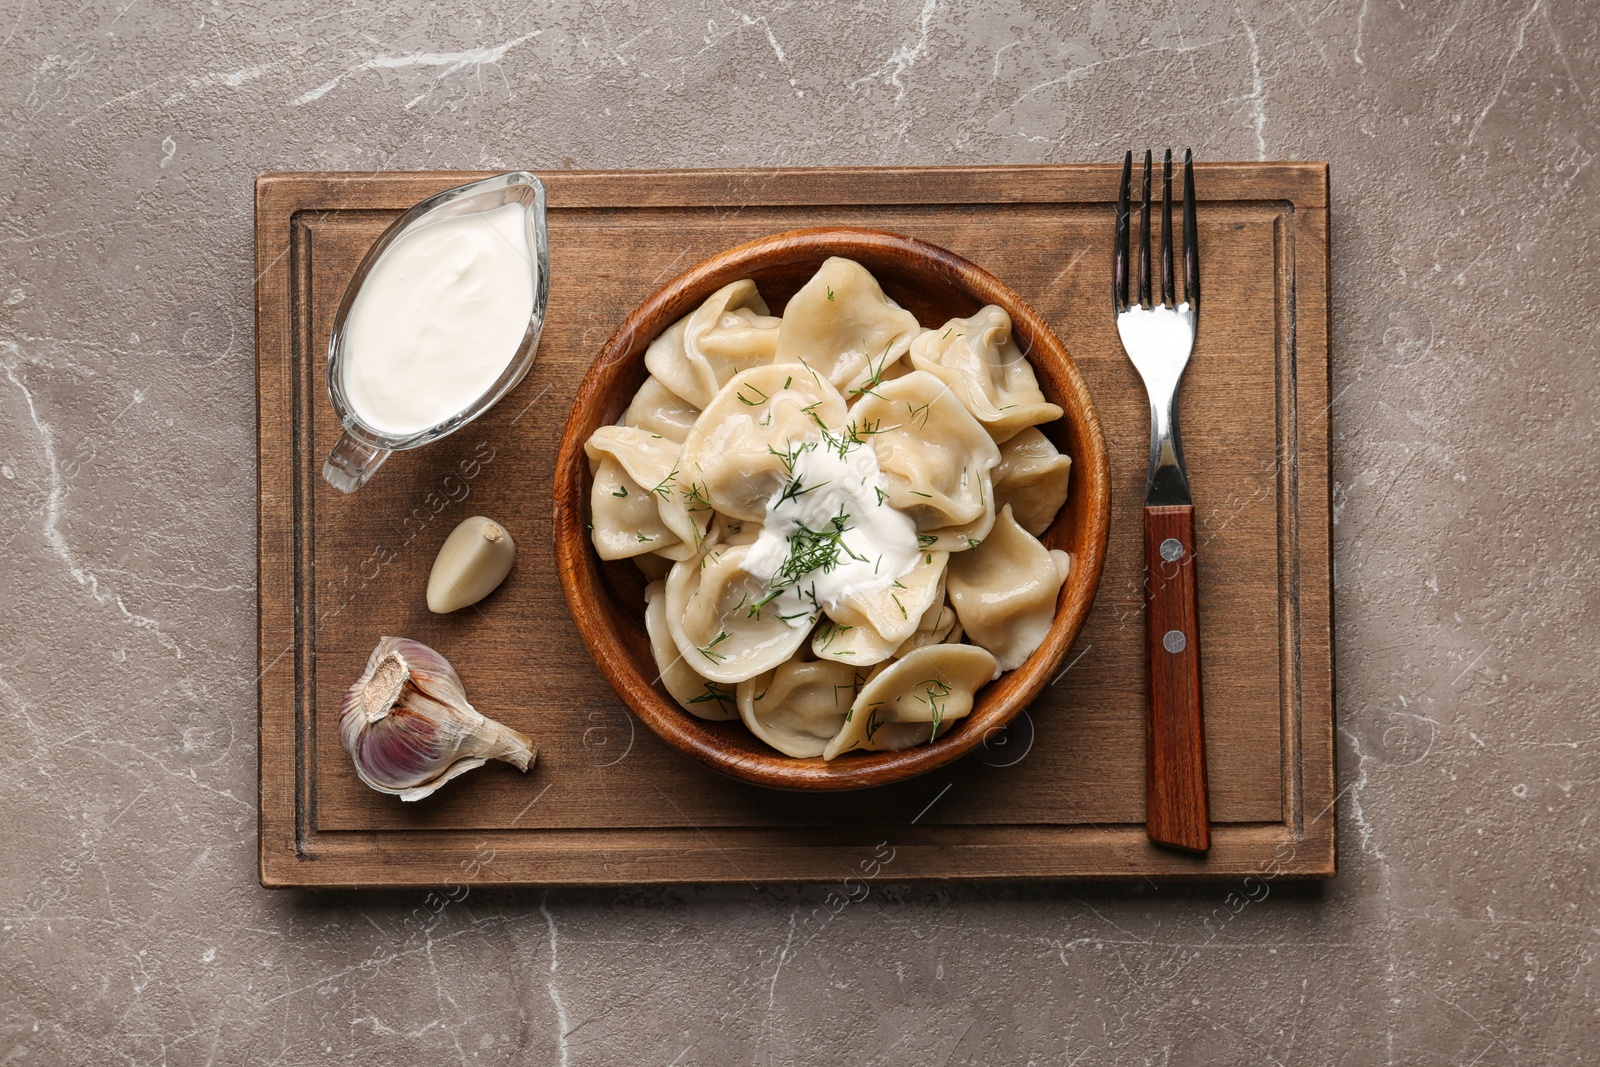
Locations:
934 693
828 632
714 691
794 490
883 498
695 495
790 455
849 439
622 490
715 657
925 496
925 540
830 292
663 488
875 374
746 401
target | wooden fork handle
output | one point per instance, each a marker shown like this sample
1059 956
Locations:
1176 810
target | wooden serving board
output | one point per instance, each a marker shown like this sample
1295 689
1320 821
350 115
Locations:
1058 794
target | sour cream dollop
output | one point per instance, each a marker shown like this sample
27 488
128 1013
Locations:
831 491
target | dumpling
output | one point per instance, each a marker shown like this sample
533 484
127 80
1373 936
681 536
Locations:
841 323
644 475
863 629
728 333
938 624
713 615
659 410
1032 478
978 359
632 502
698 695
1004 591
935 458
914 699
735 457
798 707
1063 563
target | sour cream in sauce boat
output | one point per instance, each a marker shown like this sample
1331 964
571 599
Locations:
440 320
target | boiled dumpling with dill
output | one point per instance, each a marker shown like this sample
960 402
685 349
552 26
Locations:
835 513
716 622
799 706
935 457
937 625
632 501
1032 477
734 456
913 700
865 628
695 693
977 358
728 333
1004 591
842 324
658 410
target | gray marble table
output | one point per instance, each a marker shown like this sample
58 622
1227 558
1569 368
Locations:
1464 926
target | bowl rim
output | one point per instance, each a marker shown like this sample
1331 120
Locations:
579 569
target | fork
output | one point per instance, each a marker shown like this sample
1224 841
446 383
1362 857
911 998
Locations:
1158 339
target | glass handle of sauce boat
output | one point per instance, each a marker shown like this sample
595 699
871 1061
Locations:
351 463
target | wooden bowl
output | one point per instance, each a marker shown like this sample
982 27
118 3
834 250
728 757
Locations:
607 599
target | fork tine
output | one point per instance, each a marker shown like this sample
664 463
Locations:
1191 243
1166 231
1144 238
1119 253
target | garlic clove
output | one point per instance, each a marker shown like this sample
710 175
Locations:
407 724
471 564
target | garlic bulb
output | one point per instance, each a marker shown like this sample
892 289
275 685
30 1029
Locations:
407 724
